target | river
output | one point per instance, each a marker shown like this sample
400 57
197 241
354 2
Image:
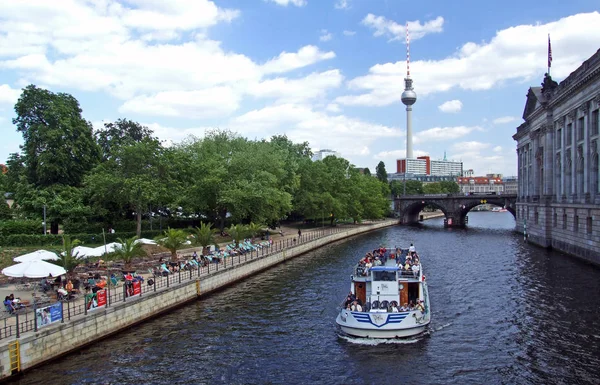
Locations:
504 312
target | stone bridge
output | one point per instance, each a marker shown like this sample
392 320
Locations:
454 206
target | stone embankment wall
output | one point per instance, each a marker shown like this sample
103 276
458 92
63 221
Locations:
58 339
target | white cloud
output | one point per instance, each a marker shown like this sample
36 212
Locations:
498 149
287 61
342 4
470 146
398 154
505 119
349 33
205 103
8 95
395 31
321 130
443 133
487 64
451 106
332 107
325 36
287 90
285 3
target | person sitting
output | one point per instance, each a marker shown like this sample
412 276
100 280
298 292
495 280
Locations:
45 285
404 307
69 286
8 305
411 249
62 294
394 308
420 306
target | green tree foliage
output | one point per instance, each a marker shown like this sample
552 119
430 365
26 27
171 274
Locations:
449 187
254 229
5 212
67 259
413 187
381 172
205 236
134 178
432 188
238 232
59 147
121 133
172 239
366 171
129 250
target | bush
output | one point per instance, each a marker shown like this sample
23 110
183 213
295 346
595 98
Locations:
20 240
21 226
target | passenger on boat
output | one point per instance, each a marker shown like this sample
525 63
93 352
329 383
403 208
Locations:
415 270
412 249
356 306
394 307
420 306
411 305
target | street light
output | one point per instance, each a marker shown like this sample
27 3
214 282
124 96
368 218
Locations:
44 223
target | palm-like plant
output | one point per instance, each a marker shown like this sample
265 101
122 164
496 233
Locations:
129 250
67 259
205 236
172 239
237 232
254 229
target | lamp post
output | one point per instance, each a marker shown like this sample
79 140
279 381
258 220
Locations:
44 220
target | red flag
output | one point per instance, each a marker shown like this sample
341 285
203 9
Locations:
549 52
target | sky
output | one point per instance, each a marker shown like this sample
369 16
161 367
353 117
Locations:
329 72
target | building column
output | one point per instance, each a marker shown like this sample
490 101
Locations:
573 166
548 158
563 130
585 109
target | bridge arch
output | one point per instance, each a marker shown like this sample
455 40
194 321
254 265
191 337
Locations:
466 207
410 214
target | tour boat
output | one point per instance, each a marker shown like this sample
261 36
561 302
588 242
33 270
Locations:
499 210
375 289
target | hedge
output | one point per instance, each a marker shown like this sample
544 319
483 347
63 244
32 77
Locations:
21 226
19 240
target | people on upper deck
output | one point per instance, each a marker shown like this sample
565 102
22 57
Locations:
356 306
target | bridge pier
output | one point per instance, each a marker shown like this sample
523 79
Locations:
455 220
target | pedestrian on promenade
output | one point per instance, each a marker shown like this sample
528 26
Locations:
299 233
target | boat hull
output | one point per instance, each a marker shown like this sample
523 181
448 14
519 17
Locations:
382 325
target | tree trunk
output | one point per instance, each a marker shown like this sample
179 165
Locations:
139 224
54 227
174 255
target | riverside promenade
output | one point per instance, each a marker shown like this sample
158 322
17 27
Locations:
25 344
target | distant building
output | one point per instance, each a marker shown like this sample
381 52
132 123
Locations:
322 154
422 178
481 184
423 165
511 184
558 200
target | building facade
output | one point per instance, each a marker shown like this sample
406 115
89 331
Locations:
511 184
423 165
490 183
324 153
558 168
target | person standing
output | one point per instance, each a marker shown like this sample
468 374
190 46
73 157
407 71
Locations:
299 233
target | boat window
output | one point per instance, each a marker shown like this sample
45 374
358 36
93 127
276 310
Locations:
384 276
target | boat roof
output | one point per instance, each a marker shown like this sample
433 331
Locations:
384 268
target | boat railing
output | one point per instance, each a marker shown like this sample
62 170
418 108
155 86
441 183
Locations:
359 272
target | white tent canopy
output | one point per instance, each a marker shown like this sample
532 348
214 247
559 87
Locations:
101 250
38 255
145 241
34 269
82 252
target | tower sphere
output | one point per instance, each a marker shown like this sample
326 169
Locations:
409 97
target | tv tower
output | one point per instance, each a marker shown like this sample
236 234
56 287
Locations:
409 97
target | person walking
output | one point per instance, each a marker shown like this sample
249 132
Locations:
299 234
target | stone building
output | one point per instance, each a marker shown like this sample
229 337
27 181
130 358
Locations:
558 200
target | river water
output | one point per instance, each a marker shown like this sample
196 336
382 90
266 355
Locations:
504 312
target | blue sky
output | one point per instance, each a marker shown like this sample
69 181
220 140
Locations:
326 71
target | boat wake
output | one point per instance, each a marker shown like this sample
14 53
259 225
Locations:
437 329
380 341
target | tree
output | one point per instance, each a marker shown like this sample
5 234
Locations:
381 173
413 187
172 239
59 146
254 229
5 212
449 187
135 177
129 250
366 171
432 188
120 133
238 232
67 259
205 236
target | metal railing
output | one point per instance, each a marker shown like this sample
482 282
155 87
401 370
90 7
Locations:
22 322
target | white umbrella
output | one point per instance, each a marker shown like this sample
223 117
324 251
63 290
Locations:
34 269
38 255
145 241
83 252
101 250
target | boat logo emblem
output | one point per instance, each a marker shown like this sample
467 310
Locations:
378 318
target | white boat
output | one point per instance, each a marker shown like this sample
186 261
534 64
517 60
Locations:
380 287
499 210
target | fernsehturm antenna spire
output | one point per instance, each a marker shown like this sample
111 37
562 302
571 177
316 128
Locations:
409 97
